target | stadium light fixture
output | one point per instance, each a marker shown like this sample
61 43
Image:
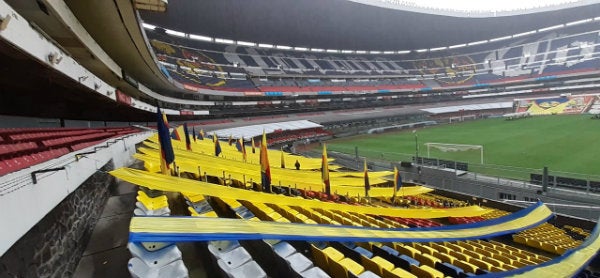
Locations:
224 41
389 52
403 51
579 22
500 39
457 46
265 45
300 48
551 28
347 51
245 43
476 43
421 50
284 47
148 26
596 18
437 48
524 34
200 38
332 51
361 51
175 33
374 52
317 50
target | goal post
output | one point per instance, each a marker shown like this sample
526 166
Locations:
446 147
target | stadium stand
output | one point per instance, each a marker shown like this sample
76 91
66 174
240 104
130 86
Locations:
238 227
535 57
23 147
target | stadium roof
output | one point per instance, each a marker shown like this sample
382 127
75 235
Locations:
344 24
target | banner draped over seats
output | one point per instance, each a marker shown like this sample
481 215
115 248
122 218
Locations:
310 180
175 229
175 184
568 264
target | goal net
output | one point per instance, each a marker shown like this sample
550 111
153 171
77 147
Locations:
445 147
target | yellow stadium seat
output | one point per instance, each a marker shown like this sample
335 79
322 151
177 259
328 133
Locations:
446 258
460 256
481 264
424 249
397 273
427 259
425 271
493 261
497 269
344 266
454 247
466 245
407 250
473 254
211 213
376 264
322 259
466 266
519 239
152 203
193 212
194 198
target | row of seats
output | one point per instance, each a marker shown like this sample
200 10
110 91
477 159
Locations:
10 165
289 260
233 260
17 147
547 237
470 256
154 259
21 151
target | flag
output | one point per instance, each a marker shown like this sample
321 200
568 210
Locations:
201 134
282 159
325 171
166 149
194 133
243 148
367 185
217 145
238 145
397 181
252 142
265 171
175 134
230 140
188 143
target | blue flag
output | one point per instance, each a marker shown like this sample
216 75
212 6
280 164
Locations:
166 149
188 143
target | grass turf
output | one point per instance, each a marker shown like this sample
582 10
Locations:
567 143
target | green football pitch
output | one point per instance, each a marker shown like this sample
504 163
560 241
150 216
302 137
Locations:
512 149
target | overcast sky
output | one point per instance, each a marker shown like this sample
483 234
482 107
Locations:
486 5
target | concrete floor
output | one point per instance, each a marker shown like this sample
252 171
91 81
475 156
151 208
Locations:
106 254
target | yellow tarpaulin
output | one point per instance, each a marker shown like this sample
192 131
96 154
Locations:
174 184
202 229
303 179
